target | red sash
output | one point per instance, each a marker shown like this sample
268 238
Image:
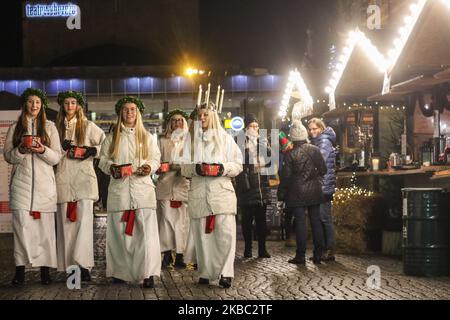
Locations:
35 214
71 212
176 204
129 216
210 222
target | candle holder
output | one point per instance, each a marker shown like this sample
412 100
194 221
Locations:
29 141
76 152
122 171
375 163
210 169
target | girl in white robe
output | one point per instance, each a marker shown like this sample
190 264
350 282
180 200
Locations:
32 188
172 192
76 183
212 199
132 241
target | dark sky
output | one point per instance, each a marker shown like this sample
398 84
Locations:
263 33
248 33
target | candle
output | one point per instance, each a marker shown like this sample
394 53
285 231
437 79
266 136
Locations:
199 98
207 94
221 101
218 97
375 164
140 147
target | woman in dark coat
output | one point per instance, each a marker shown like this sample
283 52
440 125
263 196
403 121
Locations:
301 190
325 139
251 186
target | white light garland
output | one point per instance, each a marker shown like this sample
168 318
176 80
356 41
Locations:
296 81
383 64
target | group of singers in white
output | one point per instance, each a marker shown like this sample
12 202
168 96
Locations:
191 210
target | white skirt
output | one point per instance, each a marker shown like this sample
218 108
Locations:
190 255
133 258
75 240
173 227
215 251
34 240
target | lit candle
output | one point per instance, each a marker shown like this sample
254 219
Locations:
221 101
199 98
207 94
375 164
218 97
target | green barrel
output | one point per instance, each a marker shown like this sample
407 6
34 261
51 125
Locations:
426 232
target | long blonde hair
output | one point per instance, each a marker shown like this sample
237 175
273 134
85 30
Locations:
80 127
214 125
141 136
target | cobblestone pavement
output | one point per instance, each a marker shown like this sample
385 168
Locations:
255 279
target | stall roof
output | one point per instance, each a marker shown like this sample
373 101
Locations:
427 50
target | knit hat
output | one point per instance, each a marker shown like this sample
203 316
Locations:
298 131
249 119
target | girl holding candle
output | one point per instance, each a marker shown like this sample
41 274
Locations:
76 184
132 241
33 190
212 158
172 192
325 138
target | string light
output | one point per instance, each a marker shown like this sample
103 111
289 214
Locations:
296 81
383 64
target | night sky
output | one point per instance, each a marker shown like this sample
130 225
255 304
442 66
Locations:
264 33
248 33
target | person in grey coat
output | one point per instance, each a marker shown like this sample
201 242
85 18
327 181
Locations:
325 138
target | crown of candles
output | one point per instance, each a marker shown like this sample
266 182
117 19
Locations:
217 106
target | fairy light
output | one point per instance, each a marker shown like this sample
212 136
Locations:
345 195
296 81
405 32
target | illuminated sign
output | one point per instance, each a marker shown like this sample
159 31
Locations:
237 124
54 10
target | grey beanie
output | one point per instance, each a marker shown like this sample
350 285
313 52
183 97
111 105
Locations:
298 131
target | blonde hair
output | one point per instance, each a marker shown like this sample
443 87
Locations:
80 127
169 130
318 123
214 125
141 136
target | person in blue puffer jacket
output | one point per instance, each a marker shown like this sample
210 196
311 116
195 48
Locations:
325 138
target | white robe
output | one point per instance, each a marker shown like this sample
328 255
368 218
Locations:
215 251
190 255
75 239
34 240
133 258
173 227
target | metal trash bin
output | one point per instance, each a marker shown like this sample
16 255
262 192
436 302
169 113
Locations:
426 236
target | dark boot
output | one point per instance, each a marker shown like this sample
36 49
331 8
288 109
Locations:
329 256
149 283
19 278
225 282
203 282
179 263
262 252
45 276
85 275
298 260
167 260
248 252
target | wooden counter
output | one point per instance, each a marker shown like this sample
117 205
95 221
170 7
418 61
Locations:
387 173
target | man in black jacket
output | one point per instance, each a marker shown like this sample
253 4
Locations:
251 188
